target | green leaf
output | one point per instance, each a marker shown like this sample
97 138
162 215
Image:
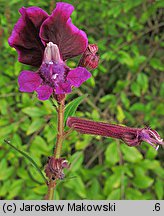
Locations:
120 85
147 196
39 147
94 190
111 154
34 112
76 161
159 109
133 194
125 100
142 80
40 189
159 172
108 98
139 170
137 107
28 158
115 195
131 154
157 64
120 114
151 153
82 144
112 182
15 188
159 189
17 139
4 131
142 181
6 171
149 164
92 173
77 186
5 187
71 108
135 88
3 107
125 58
36 125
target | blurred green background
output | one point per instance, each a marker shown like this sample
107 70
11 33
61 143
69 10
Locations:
126 88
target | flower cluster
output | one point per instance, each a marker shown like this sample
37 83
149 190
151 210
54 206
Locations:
47 41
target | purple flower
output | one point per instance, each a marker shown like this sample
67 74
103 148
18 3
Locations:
131 136
47 42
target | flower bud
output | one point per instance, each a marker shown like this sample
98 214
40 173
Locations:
90 58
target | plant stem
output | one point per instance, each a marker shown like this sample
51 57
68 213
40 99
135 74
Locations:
51 188
60 135
58 148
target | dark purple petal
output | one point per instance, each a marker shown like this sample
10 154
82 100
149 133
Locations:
63 88
25 36
59 29
29 81
44 92
77 76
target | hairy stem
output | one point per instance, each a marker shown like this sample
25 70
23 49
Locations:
60 134
58 148
51 188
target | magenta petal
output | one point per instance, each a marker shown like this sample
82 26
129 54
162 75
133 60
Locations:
59 29
29 81
25 36
44 92
63 88
77 76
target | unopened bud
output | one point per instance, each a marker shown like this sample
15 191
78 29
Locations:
90 58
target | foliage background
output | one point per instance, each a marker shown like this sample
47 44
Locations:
126 88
